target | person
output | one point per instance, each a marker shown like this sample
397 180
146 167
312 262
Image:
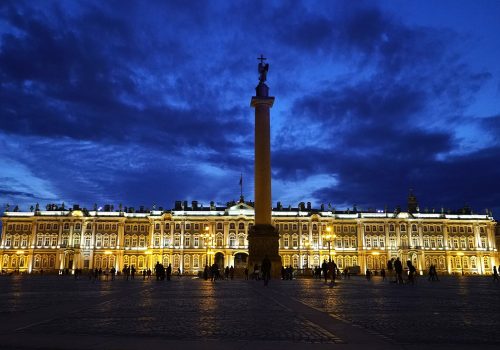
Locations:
398 266
382 273
390 266
144 274
179 272
169 271
132 272
283 272
246 273
231 272
266 270
226 273
324 268
113 271
332 269
205 273
495 274
157 271
411 272
368 274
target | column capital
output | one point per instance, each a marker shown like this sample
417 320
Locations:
256 101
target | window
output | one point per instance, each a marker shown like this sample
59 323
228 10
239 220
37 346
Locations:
112 241
196 226
353 242
295 227
367 228
241 226
426 242
188 226
382 242
99 226
304 227
107 226
167 226
219 226
232 226
219 240
368 241
157 226
65 241
483 242
177 240
66 226
232 241
142 241
98 241
177 226
486 261
440 242
286 241
455 243
187 241
346 242
414 228
471 242
143 228
196 242
315 227
241 240
375 242
391 227
78 226
39 241
286 227
403 228
295 241
87 241
54 241
106 241
127 241
392 241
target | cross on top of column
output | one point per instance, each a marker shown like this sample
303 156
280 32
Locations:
261 58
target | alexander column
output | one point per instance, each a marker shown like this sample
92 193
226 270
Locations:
263 238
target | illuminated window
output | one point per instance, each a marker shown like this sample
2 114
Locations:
241 240
232 241
196 242
187 242
219 240
177 240
295 241
232 226
286 241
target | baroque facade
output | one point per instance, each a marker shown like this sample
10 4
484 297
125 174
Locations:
190 237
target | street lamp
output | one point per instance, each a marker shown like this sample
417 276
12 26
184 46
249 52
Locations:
206 238
329 237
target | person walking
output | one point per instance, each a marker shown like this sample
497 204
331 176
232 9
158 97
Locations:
390 267
324 269
169 272
332 270
495 274
266 270
382 273
398 266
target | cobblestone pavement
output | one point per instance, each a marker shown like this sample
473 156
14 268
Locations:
451 311
455 310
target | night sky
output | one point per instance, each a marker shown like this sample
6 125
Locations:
142 102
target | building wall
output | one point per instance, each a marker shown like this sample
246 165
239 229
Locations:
54 241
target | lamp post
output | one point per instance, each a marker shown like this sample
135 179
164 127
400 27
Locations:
206 238
329 237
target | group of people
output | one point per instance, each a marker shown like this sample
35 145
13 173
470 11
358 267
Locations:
214 273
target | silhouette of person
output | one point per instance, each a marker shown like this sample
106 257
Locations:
266 270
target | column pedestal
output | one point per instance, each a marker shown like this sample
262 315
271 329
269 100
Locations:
264 240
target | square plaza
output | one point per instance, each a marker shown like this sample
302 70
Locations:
59 312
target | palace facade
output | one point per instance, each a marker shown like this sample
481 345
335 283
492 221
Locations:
190 237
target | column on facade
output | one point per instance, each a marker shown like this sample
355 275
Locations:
181 262
361 247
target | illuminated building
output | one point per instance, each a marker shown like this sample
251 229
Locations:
189 236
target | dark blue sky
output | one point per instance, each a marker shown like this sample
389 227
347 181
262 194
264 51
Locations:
148 102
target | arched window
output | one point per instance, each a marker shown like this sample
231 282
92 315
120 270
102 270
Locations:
177 260
232 241
241 240
286 260
140 262
414 228
295 261
232 226
219 240
187 261
241 226
219 226
196 261
403 227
